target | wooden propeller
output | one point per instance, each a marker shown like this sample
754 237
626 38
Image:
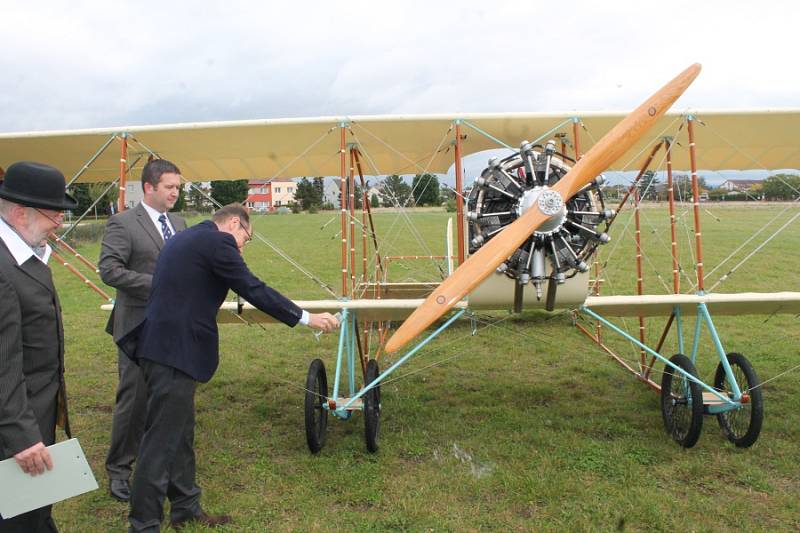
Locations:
481 264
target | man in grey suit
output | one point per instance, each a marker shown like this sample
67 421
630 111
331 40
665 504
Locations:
33 397
131 244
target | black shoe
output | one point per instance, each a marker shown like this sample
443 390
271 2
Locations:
120 489
204 519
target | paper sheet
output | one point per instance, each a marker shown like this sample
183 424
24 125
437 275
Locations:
70 476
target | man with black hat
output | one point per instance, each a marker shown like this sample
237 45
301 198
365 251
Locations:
32 393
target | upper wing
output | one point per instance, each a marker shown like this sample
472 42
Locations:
401 144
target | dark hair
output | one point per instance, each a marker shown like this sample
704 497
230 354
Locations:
231 210
152 171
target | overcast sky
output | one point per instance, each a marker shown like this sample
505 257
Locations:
81 64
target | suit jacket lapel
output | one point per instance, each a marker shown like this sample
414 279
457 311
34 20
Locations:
147 224
33 268
176 222
39 272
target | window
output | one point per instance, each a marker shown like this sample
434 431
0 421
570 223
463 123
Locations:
277 190
277 203
290 189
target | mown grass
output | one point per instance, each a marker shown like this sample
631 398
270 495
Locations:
526 426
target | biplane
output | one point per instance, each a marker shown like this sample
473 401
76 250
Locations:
528 233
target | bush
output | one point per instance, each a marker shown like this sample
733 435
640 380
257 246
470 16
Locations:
450 205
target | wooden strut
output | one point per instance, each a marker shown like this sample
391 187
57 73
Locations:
643 378
123 172
83 278
61 242
696 202
459 195
352 213
369 212
366 210
343 205
639 273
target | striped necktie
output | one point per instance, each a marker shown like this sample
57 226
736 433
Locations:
165 231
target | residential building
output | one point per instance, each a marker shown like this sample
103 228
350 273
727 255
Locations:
739 185
267 195
330 191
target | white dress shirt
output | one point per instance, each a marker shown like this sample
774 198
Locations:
157 223
20 250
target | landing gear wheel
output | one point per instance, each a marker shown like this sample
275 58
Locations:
741 426
316 414
681 402
372 408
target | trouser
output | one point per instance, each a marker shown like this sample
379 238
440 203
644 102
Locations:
166 464
127 426
38 520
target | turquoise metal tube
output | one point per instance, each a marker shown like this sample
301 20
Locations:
723 357
403 359
658 356
351 356
342 337
679 328
696 342
498 141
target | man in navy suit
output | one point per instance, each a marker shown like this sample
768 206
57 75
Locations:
177 345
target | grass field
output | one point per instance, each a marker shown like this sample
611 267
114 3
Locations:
526 426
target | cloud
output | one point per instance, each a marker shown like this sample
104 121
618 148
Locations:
91 64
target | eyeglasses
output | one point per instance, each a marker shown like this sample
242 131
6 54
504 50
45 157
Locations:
246 232
56 217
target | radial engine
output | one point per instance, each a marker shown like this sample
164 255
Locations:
559 249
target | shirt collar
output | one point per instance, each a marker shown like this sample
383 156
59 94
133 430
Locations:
20 249
153 214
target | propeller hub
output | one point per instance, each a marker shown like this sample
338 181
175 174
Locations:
548 202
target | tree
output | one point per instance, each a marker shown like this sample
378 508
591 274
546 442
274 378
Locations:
647 185
308 194
374 201
95 195
180 203
781 187
81 193
426 189
197 200
87 193
226 192
396 191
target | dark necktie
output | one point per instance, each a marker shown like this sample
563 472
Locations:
165 231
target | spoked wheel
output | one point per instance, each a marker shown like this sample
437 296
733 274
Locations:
316 414
681 402
372 408
741 426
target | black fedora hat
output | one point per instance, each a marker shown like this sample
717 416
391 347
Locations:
36 185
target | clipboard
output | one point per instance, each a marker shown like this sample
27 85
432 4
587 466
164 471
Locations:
70 476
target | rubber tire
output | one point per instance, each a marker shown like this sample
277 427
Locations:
372 408
684 432
316 415
752 411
